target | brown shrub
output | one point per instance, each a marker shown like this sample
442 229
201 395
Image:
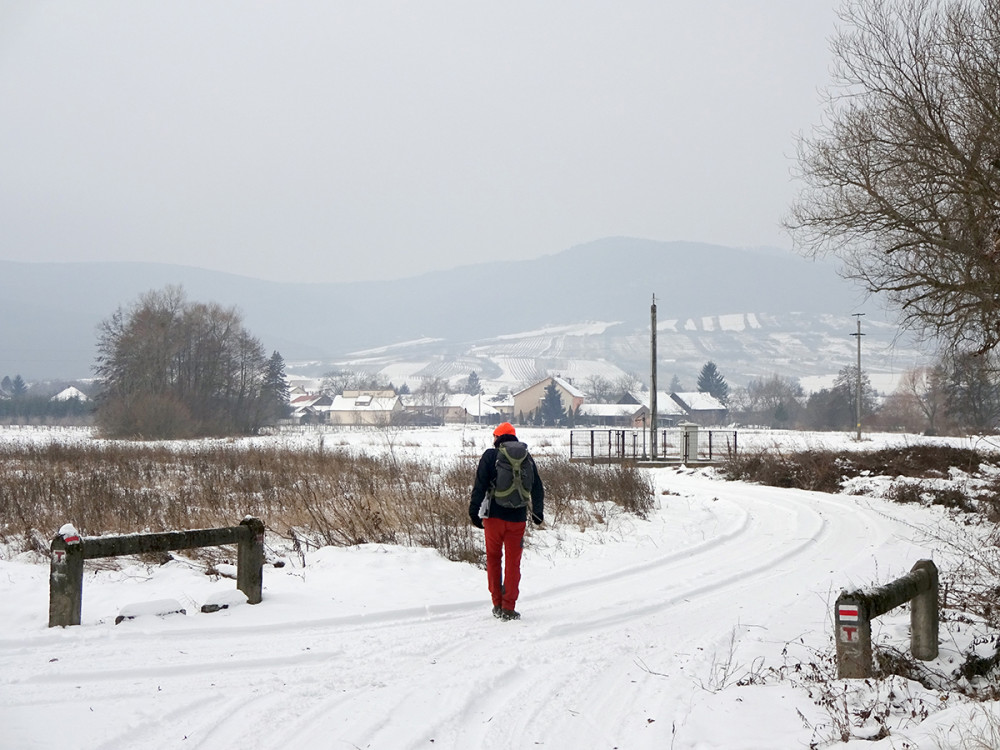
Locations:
806 470
825 470
309 497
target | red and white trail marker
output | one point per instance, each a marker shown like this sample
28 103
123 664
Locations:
847 612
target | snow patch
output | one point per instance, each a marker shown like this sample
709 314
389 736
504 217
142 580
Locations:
591 328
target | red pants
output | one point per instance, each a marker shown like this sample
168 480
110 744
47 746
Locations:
504 539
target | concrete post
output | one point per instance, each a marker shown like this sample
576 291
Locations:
250 560
855 611
65 581
854 636
924 615
69 551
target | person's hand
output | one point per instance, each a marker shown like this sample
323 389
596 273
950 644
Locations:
476 521
538 520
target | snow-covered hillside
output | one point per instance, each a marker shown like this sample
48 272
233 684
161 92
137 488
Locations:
809 346
634 635
752 311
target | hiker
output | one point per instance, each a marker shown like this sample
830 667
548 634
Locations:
507 485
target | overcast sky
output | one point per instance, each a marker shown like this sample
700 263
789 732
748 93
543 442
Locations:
326 140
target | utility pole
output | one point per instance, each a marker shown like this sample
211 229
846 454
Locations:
652 380
858 395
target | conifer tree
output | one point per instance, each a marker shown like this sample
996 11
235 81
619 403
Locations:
274 389
18 387
551 410
711 381
472 385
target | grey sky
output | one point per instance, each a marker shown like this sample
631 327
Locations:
337 141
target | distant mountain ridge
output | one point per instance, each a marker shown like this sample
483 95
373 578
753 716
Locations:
456 318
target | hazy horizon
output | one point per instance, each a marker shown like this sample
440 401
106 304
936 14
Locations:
345 142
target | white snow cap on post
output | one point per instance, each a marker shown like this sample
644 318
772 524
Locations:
68 530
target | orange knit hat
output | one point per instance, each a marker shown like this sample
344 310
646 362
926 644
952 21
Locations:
504 428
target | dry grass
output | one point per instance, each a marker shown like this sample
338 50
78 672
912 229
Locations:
307 496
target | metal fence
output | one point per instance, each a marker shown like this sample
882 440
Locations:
685 444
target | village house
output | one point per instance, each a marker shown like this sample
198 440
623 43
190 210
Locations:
628 416
702 408
503 403
527 401
373 408
671 410
308 408
451 408
464 408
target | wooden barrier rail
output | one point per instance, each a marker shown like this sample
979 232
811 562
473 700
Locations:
70 550
856 609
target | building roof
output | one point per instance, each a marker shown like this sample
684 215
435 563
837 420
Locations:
364 403
475 406
699 401
666 406
69 393
311 399
571 389
610 410
499 399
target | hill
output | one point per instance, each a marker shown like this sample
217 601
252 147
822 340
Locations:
582 311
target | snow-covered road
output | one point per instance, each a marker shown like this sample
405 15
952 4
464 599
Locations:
627 634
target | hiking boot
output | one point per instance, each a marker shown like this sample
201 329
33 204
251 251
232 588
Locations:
497 611
509 614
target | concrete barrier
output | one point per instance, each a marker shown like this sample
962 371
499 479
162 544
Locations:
69 550
856 609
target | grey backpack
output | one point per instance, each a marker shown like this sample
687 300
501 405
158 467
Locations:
515 475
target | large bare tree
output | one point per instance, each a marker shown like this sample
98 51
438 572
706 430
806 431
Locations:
902 177
169 368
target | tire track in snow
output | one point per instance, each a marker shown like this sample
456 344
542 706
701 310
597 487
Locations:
818 530
565 675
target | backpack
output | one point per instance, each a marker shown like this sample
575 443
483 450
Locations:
515 475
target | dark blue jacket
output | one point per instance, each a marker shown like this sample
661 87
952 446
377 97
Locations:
486 477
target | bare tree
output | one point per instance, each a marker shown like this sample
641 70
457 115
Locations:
168 369
972 388
336 382
599 389
627 382
434 391
924 388
902 178
773 400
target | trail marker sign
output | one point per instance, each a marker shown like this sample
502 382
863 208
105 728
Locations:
856 609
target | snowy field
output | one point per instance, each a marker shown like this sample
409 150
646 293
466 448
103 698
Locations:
634 635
